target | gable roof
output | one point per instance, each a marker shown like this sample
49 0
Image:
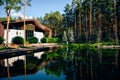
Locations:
38 26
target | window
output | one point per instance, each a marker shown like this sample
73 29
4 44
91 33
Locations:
29 33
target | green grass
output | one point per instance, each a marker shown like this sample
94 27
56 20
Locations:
2 48
5 48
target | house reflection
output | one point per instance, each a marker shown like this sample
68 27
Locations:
38 54
19 65
14 59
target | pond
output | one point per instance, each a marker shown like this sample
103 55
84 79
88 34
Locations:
63 64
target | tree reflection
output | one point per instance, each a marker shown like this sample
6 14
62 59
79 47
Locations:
25 67
90 64
8 69
2 69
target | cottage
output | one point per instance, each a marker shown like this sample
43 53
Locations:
16 28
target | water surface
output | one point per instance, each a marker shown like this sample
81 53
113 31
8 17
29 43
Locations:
63 64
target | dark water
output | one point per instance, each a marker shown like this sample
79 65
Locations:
63 64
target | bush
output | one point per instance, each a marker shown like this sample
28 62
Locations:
50 40
44 40
33 40
17 40
1 40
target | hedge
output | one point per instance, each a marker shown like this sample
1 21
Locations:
50 40
33 40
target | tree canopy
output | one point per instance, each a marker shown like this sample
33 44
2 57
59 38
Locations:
90 20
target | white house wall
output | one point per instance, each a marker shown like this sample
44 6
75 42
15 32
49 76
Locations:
12 33
39 35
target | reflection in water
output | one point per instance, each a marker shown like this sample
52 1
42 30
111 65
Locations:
80 71
116 59
13 59
38 54
25 67
91 68
8 70
63 64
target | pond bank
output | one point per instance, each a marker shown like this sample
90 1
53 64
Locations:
109 47
91 46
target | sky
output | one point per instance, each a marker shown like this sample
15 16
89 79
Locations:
39 8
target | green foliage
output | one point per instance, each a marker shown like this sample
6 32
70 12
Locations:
98 27
44 40
18 40
53 40
1 2
75 46
108 43
13 5
54 21
2 48
50 40
3 19
1 40
64 37
70 35
33 40
30 66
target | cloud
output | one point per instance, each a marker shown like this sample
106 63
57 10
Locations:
19 14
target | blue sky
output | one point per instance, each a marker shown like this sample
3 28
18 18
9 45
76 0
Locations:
39 8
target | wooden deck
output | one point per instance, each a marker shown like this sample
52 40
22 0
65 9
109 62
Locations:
23 51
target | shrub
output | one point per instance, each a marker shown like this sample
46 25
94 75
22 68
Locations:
33 40
50 40
53 40
44 40
1 40
17 40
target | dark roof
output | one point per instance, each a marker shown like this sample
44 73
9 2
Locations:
37 24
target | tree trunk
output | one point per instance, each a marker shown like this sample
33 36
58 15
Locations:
80 24
86 29
115 24
7 30
75 32
90 21
24 22
99 26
